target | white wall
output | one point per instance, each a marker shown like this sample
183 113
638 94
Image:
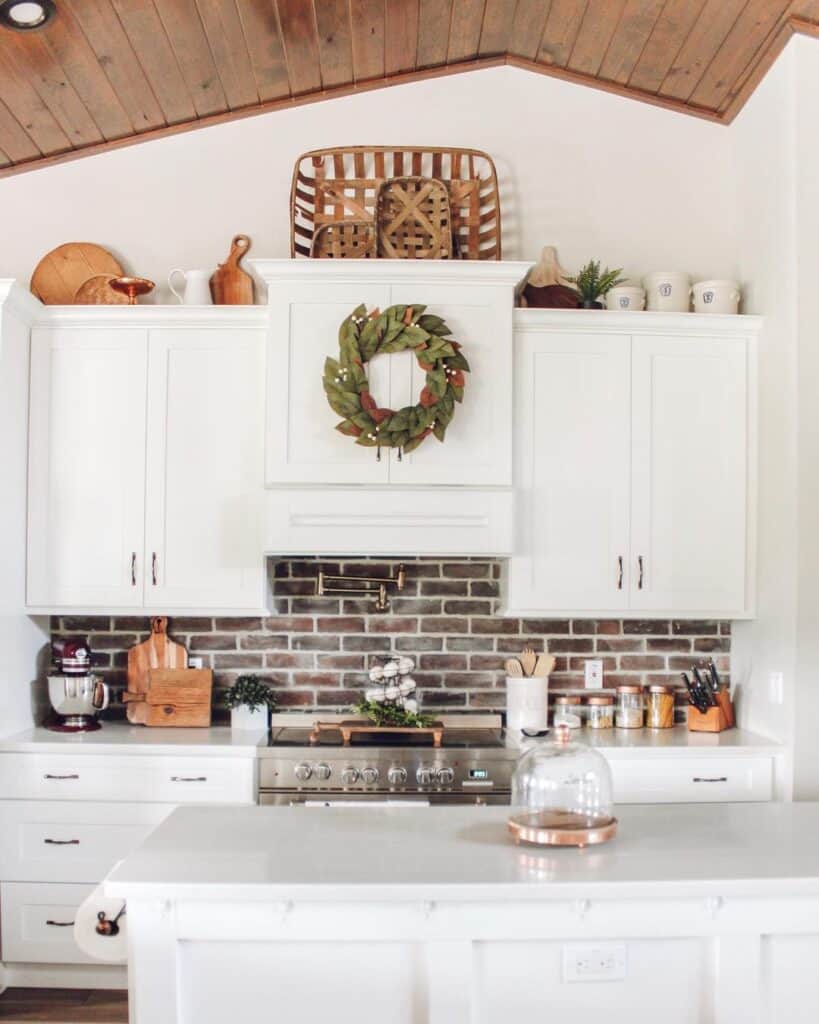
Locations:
597 175
21 638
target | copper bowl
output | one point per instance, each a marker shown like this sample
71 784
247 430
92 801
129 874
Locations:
132 287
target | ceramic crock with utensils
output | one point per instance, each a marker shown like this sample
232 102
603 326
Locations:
527 695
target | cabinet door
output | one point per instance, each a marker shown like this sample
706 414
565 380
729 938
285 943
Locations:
572 460
478 445
302 444
86 467
204 469
689 474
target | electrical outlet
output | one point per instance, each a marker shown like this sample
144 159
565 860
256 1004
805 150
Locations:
194 662
600 961
776 688
594 674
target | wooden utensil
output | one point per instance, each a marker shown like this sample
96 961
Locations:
61 272
229 284
97 291
158 651
179 697
514 668
528 660
544 666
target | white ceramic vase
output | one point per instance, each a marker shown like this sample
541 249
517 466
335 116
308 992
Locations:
245 719
716 297
527 705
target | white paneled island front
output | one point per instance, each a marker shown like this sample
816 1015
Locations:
694 913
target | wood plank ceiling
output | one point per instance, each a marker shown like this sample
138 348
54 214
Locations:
108 72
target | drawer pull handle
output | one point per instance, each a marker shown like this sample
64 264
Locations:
185 778
62 842
721 778
619 572
60 924
133 568
60 776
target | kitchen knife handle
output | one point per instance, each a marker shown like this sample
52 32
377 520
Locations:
640 567
133 568
619 572
153 568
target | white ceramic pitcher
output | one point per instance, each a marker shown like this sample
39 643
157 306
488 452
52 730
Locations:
195 287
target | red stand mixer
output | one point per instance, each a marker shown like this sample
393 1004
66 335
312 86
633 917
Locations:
75 693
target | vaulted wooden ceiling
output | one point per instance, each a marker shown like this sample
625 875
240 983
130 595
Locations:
107 72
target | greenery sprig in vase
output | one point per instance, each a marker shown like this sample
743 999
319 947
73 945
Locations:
250 702
591 284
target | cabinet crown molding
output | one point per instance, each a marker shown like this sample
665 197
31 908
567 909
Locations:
587 321
501 272
17 299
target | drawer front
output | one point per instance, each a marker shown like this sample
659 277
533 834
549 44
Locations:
41 841
692 780
178 780
37 923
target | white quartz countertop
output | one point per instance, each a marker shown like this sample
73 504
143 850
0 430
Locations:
120 738
464 853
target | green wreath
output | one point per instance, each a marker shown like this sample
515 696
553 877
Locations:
363 336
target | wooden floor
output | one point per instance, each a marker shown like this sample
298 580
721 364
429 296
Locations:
63 1006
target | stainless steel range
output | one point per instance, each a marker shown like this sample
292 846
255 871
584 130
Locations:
473 765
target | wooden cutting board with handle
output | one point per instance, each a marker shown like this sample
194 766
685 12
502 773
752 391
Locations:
61 272
158 651
229 284
179 697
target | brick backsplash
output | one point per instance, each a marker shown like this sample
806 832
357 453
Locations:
316 650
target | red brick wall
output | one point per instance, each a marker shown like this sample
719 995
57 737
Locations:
316 650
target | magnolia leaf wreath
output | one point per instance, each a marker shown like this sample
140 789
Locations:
363 336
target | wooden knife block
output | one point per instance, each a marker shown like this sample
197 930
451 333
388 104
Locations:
716 719
179 697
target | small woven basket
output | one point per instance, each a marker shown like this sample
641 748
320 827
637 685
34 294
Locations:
345 239
413 219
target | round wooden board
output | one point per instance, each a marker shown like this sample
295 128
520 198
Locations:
61 272
97 291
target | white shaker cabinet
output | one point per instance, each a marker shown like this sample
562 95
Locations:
146 461
635 465
308 300
87 467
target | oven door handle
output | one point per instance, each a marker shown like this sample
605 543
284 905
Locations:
331 802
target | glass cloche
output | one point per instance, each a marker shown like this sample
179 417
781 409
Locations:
562 794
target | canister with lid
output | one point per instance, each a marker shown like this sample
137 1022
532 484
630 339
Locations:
600 712
629 714
660 707
567 712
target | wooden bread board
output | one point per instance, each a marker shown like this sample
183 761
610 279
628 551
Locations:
229 284
61 272
179 698
158 651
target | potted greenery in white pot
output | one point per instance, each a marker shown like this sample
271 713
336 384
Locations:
591 284
250 702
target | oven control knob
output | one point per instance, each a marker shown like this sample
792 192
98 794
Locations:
303 771
446 776
349 776
322 771
397 776
424 776
369 776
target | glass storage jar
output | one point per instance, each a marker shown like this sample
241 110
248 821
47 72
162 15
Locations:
660 707
568 712
629 714
562 794
600 712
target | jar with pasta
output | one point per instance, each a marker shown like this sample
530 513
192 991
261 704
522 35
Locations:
629 713
600 712
660 707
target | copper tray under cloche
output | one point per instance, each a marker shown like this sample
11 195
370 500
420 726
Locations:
561 828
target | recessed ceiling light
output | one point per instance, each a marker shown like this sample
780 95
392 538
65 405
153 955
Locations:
25 15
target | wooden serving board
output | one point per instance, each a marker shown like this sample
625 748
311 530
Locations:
360 727
61 272
158 651
97 291
229 284
179 698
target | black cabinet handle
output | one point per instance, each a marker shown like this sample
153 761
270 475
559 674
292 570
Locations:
721 778
61 842
153 568
60 924
619 572
133 568
47 776
184 778
640 564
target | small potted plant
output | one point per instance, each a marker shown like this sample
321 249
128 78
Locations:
250 702
591 285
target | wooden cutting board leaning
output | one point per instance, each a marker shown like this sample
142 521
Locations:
61 272
157 652
229 284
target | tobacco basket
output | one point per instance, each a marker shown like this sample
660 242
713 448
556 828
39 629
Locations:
342 184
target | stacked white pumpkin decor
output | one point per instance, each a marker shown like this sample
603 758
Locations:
390 699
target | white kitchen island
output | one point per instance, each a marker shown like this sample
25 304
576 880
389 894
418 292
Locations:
694 913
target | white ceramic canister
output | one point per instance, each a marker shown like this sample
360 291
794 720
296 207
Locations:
716 297
626 297
668 291
527 704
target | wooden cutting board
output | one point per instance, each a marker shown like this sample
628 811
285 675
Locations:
179 698
97 291
61 272
158 651
229 284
